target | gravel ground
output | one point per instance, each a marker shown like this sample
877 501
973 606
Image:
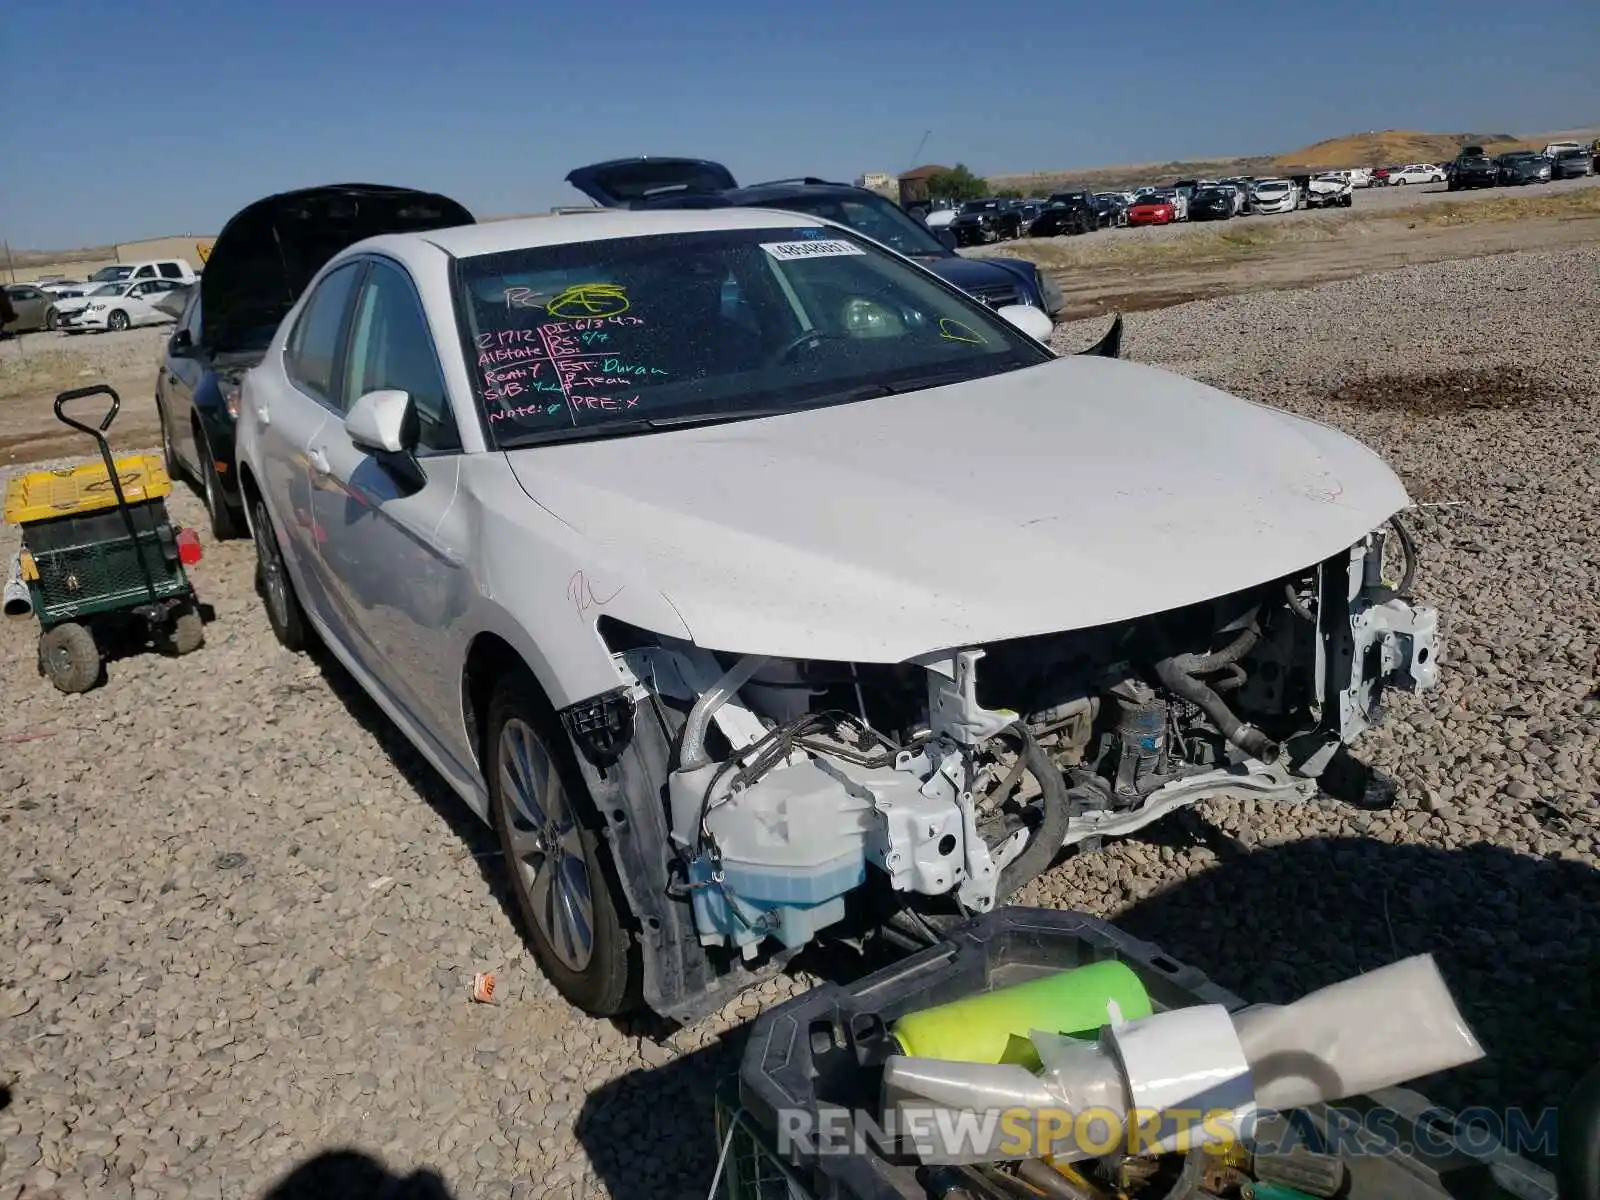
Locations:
239 917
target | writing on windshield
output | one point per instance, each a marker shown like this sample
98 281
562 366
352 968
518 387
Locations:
619 332
562 368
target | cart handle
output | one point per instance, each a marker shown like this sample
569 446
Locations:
99 435
94 389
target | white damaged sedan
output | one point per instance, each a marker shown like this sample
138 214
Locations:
759 586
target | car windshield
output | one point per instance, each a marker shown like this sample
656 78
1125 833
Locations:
1272 185
631 335
108 289
110 274
880 219
978 206
1212 194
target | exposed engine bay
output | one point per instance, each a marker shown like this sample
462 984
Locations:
962 775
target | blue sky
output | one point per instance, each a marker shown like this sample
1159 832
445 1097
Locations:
140 118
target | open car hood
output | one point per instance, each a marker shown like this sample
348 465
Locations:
1067 495
269 250
637 182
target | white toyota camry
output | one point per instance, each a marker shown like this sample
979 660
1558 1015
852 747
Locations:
735 567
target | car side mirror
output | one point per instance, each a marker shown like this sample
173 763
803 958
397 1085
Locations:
384 424
377 422
947 237
180 344
1034 322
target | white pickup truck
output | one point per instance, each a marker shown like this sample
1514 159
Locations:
157 268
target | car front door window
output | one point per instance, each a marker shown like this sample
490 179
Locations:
391 348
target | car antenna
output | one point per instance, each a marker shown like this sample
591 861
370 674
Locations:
917 153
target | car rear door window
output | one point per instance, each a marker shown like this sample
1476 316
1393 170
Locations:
392 347
313 351
171 270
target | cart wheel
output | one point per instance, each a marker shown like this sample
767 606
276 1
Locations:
69 657
186 633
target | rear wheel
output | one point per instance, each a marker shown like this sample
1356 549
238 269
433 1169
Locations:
69 657
169 455
52 320
276 588
549 836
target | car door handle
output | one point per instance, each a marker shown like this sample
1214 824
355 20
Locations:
319 461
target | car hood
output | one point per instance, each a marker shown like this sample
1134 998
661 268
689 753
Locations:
269 250
971 273
1067 495
76 303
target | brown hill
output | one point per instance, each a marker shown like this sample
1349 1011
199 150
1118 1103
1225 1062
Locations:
1389 147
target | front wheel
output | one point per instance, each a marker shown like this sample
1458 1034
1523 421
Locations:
117 321
549 837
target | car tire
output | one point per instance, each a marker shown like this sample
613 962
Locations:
69 658
224 521
169 454
556 866
273 584
52 321
117 321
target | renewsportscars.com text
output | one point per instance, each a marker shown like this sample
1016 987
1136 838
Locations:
940 1135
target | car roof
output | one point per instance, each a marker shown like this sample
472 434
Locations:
494 237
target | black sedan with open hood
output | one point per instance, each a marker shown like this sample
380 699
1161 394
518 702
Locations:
260 263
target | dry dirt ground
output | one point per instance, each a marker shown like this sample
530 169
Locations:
35 366
239 916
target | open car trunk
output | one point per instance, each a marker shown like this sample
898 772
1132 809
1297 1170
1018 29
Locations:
639 182
270 250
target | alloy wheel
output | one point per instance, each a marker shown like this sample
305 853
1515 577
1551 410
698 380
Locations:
545 845
273 580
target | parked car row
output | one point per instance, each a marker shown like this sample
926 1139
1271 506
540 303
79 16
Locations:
1068 213
717 690
116 297
1473 168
